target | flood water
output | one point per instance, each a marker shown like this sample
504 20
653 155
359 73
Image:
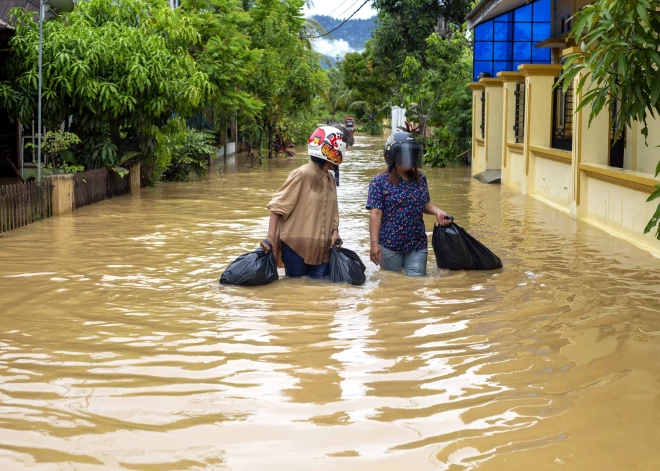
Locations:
120 350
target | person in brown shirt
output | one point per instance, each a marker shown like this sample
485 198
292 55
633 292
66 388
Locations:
304 215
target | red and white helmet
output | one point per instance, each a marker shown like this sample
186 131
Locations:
327 143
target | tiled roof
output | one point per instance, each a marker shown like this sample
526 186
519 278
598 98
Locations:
7 5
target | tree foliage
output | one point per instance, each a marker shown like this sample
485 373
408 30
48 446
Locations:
619 58
437 95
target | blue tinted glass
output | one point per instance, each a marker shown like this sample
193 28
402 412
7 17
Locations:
507 17
540 55
502 51
522 52
541 31
542 10
517 63
503 31
522 31
484 32
501 66
524 13
483 51
480 66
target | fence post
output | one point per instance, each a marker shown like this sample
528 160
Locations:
62 194
134 175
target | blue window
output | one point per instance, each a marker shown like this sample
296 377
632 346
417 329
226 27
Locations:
541 11
507 41
540 56
484 32
523 14
483 51
502 51
522 32
541 32
503 31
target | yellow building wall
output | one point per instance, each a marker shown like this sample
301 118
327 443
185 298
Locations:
479 158
516 170
552 181
494 111
619 210
648 153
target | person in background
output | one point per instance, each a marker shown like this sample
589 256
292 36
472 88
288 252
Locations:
304 214
398 198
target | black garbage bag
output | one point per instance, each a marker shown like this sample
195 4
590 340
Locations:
346 267
455 249
252 269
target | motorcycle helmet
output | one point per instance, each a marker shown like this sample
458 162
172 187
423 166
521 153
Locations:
327 143
402 149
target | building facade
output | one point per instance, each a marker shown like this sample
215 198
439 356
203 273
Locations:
528 130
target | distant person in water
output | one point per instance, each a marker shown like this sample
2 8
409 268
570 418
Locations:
304 214
398 198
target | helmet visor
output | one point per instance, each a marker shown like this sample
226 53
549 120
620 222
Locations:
409 155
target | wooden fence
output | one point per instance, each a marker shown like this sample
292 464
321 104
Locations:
97 185
22 204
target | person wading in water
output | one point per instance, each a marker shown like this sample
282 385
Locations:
304 215
398 198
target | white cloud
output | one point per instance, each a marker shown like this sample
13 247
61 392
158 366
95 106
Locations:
338 47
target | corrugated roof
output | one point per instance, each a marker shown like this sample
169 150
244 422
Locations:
487 9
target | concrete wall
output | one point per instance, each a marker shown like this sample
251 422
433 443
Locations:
579 182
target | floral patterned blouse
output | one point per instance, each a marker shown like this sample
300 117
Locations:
402 225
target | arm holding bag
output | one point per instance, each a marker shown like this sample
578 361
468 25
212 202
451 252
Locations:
346 267
455 249
251 269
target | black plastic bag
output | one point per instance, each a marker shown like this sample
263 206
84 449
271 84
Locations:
346 267
252 269
455 249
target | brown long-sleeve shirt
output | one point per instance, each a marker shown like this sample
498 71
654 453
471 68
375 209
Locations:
307 203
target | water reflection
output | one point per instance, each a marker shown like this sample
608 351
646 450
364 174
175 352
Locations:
119 350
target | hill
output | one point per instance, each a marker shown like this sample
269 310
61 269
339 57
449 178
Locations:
348 38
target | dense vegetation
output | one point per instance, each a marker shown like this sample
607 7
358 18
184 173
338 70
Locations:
121 74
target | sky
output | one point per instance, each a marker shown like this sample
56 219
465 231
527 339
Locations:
340 8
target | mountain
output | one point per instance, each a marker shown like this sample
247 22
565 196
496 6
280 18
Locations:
350 37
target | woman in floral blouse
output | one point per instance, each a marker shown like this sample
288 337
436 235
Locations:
397 200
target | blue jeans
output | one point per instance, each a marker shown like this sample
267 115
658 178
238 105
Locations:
295 266
411 263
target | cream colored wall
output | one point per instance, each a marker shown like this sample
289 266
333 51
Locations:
552 181
479 158
621 210
494 112
516 166
648 153
509 100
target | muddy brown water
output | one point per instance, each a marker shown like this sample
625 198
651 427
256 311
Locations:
119 350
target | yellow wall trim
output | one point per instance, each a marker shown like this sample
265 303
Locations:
622 235
626 178
476 86
557 155
516 147
528 112
487 124
480 142
571 50
506 124
545 70
491 82
511 76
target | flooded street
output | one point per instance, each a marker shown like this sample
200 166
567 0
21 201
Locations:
120 350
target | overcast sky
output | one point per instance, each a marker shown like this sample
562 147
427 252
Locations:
340 8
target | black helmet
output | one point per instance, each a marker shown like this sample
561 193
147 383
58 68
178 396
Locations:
402 149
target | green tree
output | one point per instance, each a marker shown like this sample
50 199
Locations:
367 83
437 95
288 75
120 70
619 56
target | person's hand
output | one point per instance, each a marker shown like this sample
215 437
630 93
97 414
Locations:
444 219
333 239
266 245
375 253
